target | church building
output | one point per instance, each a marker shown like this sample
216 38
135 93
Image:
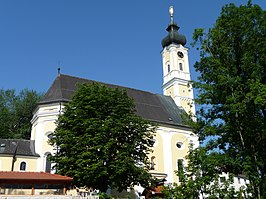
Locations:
172 139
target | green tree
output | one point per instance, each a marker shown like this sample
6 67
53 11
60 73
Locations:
202 176
102 142
16 111
232 91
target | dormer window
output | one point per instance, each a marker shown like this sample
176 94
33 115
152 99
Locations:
2 147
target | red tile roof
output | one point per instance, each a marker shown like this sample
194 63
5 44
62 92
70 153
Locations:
32 177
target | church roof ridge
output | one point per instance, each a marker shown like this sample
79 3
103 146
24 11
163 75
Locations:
60 97
115 85
151 106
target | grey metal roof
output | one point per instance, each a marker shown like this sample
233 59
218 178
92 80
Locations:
173 36
154 107
18 147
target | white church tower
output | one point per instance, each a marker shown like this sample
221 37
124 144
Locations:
176 72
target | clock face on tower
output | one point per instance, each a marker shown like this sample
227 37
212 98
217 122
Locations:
180 54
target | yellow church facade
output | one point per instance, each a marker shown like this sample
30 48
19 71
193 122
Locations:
172 139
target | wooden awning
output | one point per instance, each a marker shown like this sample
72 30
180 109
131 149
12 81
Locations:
13 177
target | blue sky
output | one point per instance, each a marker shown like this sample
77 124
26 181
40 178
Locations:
117 42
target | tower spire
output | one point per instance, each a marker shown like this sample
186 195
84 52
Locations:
173 36
176 71
171 12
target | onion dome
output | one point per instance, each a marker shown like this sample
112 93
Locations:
173 36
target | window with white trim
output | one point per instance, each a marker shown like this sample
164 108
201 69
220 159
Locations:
180 169
179 145
48 164
181 66
22 166
153 163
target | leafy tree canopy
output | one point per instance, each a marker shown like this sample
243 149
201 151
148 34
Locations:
16 113
232 90
101 141
201 177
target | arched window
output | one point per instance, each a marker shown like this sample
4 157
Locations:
180 66
48 164
153 159
22 166
180 169
168 68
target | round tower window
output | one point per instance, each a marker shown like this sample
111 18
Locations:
179 145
